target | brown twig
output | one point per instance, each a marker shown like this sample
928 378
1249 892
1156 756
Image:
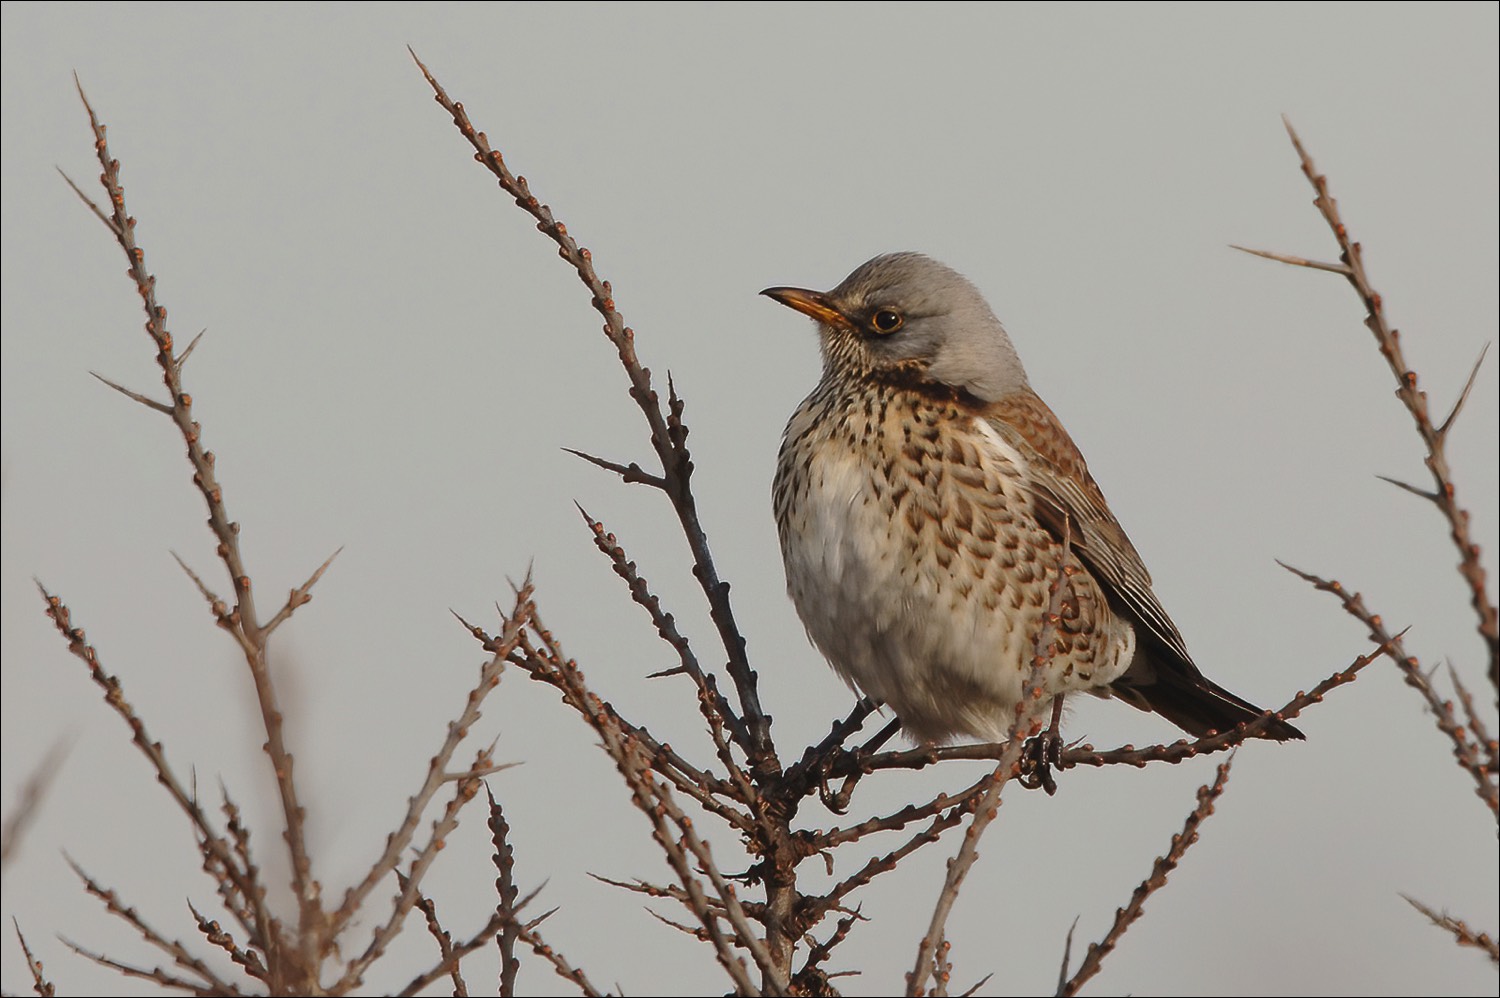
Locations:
178 952
668 433
242 621
1434 437
444 941
29 802
437 768
710 792
833 837
505 886
1129 755
156 974
219 856
215 934
1462 934
467 787
715 709
1160 868
39 982
812 978
671 828
1467 752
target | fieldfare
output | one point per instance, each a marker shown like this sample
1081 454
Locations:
922 496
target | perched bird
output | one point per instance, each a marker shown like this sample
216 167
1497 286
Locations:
922 495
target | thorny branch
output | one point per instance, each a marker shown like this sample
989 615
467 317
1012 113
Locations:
1467 749
1462 934
1434 437
1164 865
755 798
668 432
242 622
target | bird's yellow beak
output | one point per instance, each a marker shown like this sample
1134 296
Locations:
813 303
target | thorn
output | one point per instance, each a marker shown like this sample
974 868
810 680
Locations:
182 357
313 579
109 222
203 589
1425 494
1297 261
632 473
1463 396
149 403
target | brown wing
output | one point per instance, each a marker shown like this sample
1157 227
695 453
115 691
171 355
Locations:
1065 488
1162 677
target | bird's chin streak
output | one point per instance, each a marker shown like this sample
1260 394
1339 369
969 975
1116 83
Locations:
912 377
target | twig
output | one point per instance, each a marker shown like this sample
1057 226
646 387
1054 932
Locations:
399 840
215 934
1466 751
156 974
1129 755
671 829
1462 934
1160 868
39 982
411 882
505 886
29 802
1067 958
715 709
444 940
245 623
218 856
1434 438
668 434
172 948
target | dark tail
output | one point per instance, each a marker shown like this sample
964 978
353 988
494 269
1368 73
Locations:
1163 683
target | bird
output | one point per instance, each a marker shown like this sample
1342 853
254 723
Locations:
925 497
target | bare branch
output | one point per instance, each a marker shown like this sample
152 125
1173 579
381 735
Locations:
1163 865
1462 934
631 473
300 595
215 934
668 434
39 982
443 939
217 853
505 886
30 802
715 709
1465 750
242 621
156 974
1433 437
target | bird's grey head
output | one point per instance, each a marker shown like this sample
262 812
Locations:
907 312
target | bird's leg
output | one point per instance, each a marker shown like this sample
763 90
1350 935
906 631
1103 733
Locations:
1045 751
838 802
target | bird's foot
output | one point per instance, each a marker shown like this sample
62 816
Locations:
1044 752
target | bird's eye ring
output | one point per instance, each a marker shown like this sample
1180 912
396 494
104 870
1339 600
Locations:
887 321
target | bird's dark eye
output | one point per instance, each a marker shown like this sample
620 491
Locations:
887 320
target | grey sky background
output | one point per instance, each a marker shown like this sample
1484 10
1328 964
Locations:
394 360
